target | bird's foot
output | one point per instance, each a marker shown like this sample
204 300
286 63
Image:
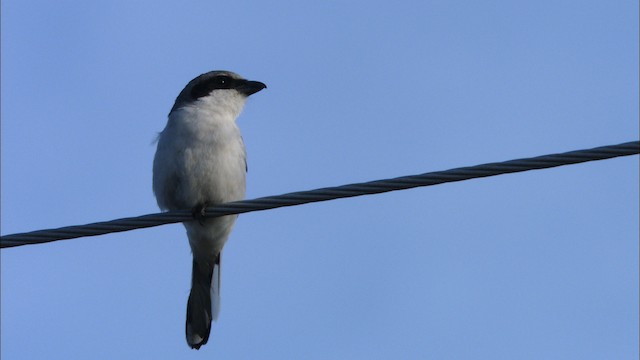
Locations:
199 212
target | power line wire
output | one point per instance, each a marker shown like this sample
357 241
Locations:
325 194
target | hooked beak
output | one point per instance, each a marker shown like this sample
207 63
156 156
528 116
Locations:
250 87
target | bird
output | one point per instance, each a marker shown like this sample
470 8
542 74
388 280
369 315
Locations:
200 161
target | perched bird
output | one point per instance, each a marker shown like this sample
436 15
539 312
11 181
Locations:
200 161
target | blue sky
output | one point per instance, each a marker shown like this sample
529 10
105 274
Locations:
537 265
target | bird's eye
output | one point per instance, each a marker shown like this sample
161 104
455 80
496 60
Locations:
206 87
223 81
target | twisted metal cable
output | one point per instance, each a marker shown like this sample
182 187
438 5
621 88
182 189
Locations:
324 194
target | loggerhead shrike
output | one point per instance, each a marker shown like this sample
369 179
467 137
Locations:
200 161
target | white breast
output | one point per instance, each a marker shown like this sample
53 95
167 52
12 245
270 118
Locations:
201 157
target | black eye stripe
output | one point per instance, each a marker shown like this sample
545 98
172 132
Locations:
217 82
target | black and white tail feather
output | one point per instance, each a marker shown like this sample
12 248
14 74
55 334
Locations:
203 305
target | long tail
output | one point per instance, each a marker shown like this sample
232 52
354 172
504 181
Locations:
204 302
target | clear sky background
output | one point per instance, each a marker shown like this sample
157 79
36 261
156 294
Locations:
537 265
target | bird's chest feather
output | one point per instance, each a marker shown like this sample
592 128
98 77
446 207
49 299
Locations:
209 160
